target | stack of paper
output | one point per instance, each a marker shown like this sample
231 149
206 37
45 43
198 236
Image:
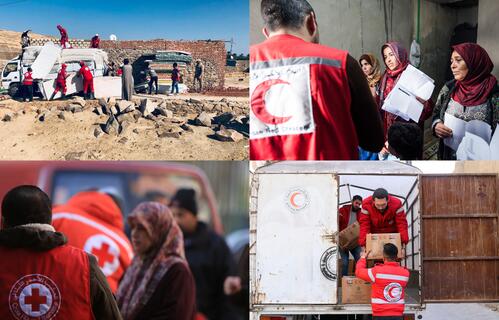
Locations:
460 128
474 147
402 100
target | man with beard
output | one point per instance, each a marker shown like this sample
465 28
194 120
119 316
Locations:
383 213
308 101
348 215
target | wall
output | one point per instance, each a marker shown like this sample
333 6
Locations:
488 30
211 53
361 26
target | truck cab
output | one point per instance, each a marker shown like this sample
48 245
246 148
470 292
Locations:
11 76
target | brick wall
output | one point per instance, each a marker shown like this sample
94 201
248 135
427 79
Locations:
211 53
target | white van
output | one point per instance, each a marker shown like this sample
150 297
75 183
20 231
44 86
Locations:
452 254
12 73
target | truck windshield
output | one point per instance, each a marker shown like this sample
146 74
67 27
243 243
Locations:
10 67
132 187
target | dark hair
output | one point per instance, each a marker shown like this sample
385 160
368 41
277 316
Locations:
126 61
406 139
380 193
356 197
186 199
175 64
29 69
284 13
26 204
390 251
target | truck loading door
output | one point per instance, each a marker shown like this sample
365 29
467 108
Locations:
296 259
460 238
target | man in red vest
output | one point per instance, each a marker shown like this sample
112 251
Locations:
308 101
388 284
88 81
383 213
42 277
94 43
349 214
64 37
92 221
28 85
60 82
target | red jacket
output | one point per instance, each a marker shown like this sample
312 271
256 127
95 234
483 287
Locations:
392 221
93 222
28 79
51 284
61 77
344 216
95 42
388 287
300 102
86 73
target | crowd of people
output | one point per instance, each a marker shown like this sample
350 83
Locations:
173 267
328 106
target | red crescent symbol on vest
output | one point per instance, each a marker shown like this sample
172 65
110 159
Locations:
258 103
292 199
390 292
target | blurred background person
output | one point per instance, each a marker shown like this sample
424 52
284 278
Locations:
208 255
93 221
159 283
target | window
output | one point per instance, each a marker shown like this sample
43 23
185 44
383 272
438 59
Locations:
10 67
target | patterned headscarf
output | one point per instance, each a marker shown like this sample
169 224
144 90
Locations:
375 75
145 273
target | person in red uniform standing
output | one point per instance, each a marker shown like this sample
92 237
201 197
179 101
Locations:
308 101
88 81
383 213
60 82
94 43
42 277
349 214
64 37
28 85
388 284
92 221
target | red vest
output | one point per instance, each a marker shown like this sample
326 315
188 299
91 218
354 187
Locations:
52 284
86 229
300 102
393 220
86 73
388 287
28 79
61 77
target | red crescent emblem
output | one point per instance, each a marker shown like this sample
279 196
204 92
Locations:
258 103
292 199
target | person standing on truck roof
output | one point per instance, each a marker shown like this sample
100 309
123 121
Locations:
88 81
95 42
389 281
127 81
60 82
209 257
198 75
383 213
348 215
28 85
93 221
322 107
153 78
175 77
25 39
42 277
64 37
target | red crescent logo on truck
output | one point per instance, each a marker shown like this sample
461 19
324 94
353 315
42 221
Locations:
297 199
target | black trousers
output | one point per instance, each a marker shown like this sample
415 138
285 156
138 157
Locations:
28 92
155 81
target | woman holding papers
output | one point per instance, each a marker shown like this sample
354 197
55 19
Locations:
472 95
396 61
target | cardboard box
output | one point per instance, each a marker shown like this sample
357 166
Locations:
348 238
355 291
376 241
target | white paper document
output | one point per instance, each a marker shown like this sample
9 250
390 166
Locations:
474 147
460 128
402 100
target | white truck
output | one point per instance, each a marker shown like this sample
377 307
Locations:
46 62
452 254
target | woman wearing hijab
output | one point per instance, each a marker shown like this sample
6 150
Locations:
473 94
159 283
396 61
371 68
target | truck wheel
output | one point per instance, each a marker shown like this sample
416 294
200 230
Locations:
14 90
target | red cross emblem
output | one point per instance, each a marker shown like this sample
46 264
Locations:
106 250
34 296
